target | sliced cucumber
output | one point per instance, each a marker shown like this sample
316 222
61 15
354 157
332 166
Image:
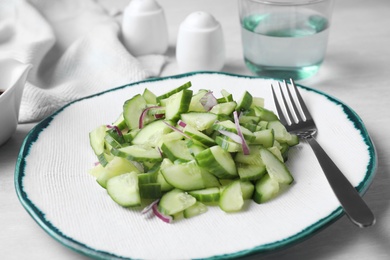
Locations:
280 132
265 189
231 197
176 150
114 138
245 102
149 97
264 137
175 201
228 144
200 121
152 133
150 191
206 195
218 161
195 210
115 167
165 186
248 172
224 108
247 189
253 158
138 153
132 110
276 169
196 105
120 123
96 140
186 176
257 102
123 189
229 126
198 136
265 114
176 90
195 147
177 104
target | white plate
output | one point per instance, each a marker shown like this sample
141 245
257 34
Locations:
54 186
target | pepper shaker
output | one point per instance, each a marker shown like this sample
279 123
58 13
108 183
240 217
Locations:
200 43
144 28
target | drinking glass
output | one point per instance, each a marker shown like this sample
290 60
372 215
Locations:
284 38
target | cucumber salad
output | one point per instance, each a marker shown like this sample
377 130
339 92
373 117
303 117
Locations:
181 152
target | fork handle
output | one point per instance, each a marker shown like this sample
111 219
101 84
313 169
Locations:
354 206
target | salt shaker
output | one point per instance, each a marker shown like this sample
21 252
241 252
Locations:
144 28
200 43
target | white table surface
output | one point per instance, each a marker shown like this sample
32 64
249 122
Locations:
356 71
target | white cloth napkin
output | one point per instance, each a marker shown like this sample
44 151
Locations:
76 50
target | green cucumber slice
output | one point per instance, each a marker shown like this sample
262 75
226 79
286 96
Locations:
195 210
257 102
247 189
152 133
265 189
196 105
280 132
115 167
198 136
265 114
185 176
264 137
245 102
123 189
120 122
206 195
177 104
228 144
176 150
175 201
229 126
231 197
248 172
114 138
200 121
276 169
150 190
224 108
217 161
138 153
96 140
132 110
252 158
149 97
195 147
176 90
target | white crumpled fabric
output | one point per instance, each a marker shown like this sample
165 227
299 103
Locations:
76 50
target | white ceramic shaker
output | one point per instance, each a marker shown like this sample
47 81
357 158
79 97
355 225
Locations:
144 28
200 44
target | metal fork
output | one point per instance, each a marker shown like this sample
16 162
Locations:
304 127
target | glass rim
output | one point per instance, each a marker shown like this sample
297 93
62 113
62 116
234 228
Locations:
288 2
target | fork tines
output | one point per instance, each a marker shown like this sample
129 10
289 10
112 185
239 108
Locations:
294 107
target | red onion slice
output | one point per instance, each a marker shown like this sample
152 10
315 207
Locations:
245 147
159 116
149 207
116 129
181 123
235 137
143 115
208 101
177 130
165 218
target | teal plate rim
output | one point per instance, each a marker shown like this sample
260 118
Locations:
83 249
